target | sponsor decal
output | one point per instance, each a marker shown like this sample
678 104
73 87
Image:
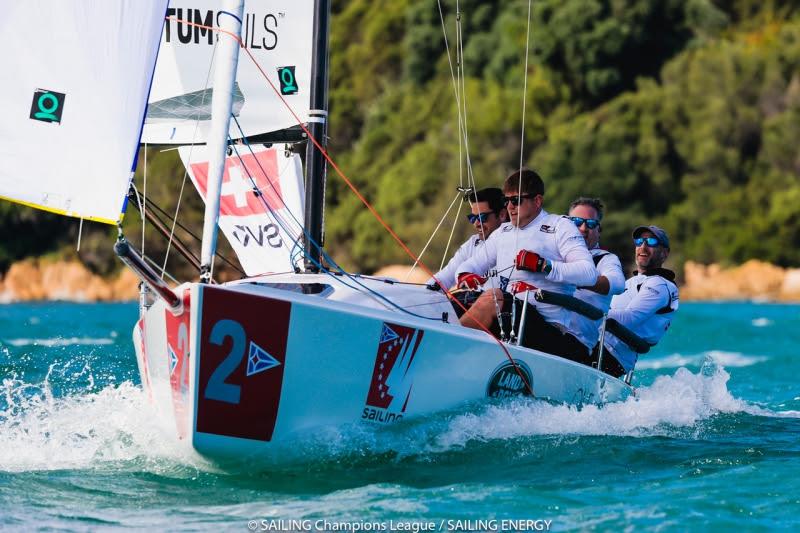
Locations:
259 30
47 106
506 382
178 361
263 234
240 362
393 376
287 80
547 229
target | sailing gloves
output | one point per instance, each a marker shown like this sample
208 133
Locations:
532 262
468 280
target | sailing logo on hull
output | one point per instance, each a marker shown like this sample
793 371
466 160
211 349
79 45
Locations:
47 106
506 380
392 377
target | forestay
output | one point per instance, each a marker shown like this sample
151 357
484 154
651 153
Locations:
276 32
75 81
262 230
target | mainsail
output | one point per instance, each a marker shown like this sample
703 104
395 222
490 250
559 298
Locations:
277 33
262 229
75 74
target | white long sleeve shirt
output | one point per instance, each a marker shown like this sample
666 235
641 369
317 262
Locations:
554 238
645 307
587 330
447 275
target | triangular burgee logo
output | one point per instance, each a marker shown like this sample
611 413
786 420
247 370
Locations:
387 335
258 360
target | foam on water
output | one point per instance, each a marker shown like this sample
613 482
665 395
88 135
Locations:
677 360
85 430
761 322
60 341
89 428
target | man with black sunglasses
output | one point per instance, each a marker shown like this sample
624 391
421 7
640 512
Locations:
535 249
586 214
488 213
648 303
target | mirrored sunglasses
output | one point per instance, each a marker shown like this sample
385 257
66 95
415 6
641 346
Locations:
591 223
652 242
483 217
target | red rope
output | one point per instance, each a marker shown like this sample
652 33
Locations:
355 190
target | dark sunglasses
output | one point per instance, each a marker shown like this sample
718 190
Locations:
652 242
515 200
483 217
591 223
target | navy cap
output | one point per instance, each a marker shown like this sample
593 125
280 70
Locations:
655 230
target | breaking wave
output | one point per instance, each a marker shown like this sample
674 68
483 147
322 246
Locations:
677 360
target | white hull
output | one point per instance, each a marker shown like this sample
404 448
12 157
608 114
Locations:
255 366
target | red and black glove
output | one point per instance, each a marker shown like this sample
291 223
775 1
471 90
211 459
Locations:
531 261
468 280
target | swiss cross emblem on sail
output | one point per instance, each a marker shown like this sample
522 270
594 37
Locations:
393 375
261 203
236 196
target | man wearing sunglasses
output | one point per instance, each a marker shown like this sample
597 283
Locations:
488 213
586 214
648 303
535 249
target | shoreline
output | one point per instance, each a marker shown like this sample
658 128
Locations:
33 280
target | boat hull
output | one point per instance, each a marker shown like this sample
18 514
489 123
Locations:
244 368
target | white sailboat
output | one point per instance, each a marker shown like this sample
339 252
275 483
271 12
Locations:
245 367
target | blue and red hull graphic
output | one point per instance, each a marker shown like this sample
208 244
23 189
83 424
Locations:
241 359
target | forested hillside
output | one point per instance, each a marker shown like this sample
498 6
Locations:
685 113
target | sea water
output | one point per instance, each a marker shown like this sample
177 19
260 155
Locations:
711 441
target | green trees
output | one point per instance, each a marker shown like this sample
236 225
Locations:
685 113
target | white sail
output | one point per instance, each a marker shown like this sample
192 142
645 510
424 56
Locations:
278 33
262 231
75 81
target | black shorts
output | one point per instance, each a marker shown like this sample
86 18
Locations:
610 363
540 334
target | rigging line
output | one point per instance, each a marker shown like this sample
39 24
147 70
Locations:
157 209
356 191
450 238
455 91
381 299
439 225
189 159
522 131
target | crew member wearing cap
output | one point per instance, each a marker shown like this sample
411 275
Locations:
648 303
535 249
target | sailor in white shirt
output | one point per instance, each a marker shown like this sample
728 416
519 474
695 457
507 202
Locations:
488 213
535 249
648 303
586 214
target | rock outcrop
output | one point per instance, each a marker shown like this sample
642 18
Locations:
753 280
33 279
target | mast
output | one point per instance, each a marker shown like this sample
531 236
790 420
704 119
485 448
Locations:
226 59
316 166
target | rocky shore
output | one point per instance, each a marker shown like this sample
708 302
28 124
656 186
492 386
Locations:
33 279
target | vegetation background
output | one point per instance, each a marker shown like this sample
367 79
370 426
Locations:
684 113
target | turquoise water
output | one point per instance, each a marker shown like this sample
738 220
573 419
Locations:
712 441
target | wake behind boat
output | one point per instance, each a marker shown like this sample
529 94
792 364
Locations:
246 365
